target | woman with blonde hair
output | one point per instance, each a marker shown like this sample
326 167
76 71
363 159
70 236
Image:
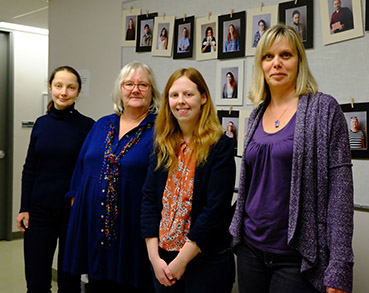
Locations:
293 224
186 209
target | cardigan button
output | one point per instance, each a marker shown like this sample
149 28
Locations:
102 242
102 216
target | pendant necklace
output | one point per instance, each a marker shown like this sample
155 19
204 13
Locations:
276 122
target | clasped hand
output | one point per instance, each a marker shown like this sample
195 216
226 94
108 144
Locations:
167 275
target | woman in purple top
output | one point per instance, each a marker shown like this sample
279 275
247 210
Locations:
293 224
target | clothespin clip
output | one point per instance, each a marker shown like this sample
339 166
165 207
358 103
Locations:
131 9
209 14
295 2
261 6
352 102
184 17
230 110
147 13
232 13
164 16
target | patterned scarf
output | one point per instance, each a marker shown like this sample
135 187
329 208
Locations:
110 173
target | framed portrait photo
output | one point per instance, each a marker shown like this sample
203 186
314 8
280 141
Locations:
162 44
183 37
145 28
206 37
232 34
341 20
258 21
300 17
357 119
230 124
230 77
242 130
129 25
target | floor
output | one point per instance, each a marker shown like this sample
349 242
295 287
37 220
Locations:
12 278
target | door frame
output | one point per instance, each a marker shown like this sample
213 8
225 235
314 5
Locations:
9 134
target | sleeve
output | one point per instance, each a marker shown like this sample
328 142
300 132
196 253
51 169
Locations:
150 206
218 188
29 170
78 169
339 273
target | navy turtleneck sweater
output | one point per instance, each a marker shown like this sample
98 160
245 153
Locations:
56 140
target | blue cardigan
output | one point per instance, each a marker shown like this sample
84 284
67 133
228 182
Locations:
212 195
125 261
320 224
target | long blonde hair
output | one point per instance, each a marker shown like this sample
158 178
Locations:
168 133
305 82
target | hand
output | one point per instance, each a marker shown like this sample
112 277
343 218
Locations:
332 290
160 269
23 221
72 201
175 269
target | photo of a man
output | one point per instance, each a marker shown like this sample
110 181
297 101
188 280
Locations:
341 19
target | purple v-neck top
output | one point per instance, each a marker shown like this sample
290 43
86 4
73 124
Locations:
269 162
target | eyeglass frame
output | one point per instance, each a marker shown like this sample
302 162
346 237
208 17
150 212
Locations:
136 84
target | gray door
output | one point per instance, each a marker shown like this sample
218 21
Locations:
5 174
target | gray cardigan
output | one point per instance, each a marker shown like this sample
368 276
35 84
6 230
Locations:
320 224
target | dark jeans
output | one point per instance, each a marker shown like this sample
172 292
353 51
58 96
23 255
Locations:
46 226
262 272
107 286
204 274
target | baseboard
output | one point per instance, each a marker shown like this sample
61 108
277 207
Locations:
16 235
54 275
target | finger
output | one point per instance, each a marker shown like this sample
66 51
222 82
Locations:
26 222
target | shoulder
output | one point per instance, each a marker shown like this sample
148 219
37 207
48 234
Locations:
324 101
225 145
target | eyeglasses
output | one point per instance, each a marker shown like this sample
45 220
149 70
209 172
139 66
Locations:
142 86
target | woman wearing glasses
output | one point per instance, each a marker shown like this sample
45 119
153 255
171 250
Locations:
103 237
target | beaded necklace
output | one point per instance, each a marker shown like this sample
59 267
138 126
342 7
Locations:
110 173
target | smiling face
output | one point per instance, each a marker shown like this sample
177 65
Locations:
280 65
296 18
64 89
136 99
185 103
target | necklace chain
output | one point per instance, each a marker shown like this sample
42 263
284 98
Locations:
276 122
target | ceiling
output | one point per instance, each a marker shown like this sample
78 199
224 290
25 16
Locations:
25 12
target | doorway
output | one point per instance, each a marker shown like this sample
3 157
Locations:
5 130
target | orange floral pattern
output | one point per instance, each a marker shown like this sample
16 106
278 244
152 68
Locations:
177 202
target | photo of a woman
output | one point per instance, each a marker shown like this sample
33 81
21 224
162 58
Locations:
232 42
163 40
230 87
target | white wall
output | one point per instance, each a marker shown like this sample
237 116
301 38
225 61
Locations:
86 34
30 81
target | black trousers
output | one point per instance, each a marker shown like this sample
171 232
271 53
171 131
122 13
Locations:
46 227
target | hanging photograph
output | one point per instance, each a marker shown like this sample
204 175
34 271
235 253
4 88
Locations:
242 130
183 37
163 36
129 25
232 34
341 20
300 17
230 83
357 119
145 27
230 123
258 21
206 37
